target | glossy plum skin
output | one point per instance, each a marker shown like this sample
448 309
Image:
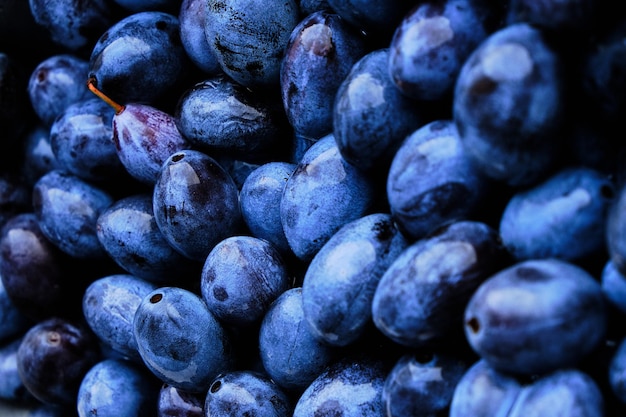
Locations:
70 222
144 138
151 65
562 217
420 298
422 384
509 104
195 203
259 200
135 393
321 51
191 15
56 82
54 356
129 234
322 194
246 393
371 117
241 277
483 391
349 388
431 43
218 115
290 353
180 340
81 138
109 306
433 181
561 320
173 402
340 281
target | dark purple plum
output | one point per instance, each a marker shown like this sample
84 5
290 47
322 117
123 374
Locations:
81 138
140 58
54 356
191 15
348 388
32 269
321 51
536 316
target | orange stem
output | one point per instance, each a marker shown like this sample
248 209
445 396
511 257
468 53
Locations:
91 84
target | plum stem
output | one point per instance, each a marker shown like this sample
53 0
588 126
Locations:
91 84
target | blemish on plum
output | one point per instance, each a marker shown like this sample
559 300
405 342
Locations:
156 298
215 386
473 324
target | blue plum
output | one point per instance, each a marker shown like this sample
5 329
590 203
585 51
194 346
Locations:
249 38
179 339
561 217
241 277
74 24
195 203
432 181
420 299
57 81
339 283
117 387
322 194
109 306
536 316
81 138
67 208
218 115
191 15
431 43
246 393
422 384
290 353
320 53
140 58
509 101
351 387
129 234
371 117
259 199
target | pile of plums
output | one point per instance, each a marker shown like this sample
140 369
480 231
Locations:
312 208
